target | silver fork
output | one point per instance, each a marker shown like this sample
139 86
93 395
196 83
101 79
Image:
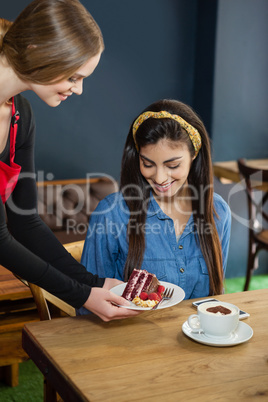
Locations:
168 293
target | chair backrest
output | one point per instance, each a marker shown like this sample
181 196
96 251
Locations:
66 205
41 296
255 178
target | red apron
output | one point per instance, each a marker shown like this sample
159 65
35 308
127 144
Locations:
9 174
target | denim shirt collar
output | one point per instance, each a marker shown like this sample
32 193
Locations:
154 210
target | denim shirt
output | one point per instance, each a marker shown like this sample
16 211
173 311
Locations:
180 262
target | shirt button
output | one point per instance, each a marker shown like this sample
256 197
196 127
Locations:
180 247
182 270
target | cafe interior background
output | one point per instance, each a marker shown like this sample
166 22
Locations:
210 54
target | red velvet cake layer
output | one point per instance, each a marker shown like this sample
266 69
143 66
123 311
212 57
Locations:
140 281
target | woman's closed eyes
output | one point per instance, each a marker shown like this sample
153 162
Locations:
72 80
147 164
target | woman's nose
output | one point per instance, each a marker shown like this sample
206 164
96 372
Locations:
78 88
160 176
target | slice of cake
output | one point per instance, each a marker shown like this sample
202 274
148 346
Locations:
140 281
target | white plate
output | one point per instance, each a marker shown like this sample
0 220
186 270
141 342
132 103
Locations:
242 334
177 297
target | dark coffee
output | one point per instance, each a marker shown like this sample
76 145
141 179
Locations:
219 309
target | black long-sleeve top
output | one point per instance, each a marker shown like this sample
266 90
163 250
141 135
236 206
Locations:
28 247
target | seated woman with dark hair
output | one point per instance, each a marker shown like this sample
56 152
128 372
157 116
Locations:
166 218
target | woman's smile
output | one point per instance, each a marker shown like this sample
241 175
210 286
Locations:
163 187
63 97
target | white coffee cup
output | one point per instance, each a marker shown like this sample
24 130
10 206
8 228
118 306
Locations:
214 323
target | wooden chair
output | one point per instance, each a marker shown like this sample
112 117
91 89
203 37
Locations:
258 235
49 305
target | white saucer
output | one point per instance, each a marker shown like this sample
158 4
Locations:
242 334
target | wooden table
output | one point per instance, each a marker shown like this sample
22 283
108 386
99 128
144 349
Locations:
228 172
148 358
12 288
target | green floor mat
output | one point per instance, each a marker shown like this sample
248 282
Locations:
30 388
233 285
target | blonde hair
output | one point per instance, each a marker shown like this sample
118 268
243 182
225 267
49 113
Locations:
50 40
4 27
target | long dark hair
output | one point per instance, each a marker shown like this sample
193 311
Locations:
136 190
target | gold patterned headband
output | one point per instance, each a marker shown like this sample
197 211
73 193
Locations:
192 132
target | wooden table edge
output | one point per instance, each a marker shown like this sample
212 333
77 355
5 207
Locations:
225 173
52 374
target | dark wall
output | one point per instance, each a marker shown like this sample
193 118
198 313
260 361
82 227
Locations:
240 117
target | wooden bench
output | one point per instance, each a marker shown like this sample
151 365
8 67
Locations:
20 304
17 307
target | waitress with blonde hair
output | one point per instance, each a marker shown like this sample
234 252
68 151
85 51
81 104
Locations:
49 49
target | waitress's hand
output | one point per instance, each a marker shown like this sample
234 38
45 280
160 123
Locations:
100 302
110 283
